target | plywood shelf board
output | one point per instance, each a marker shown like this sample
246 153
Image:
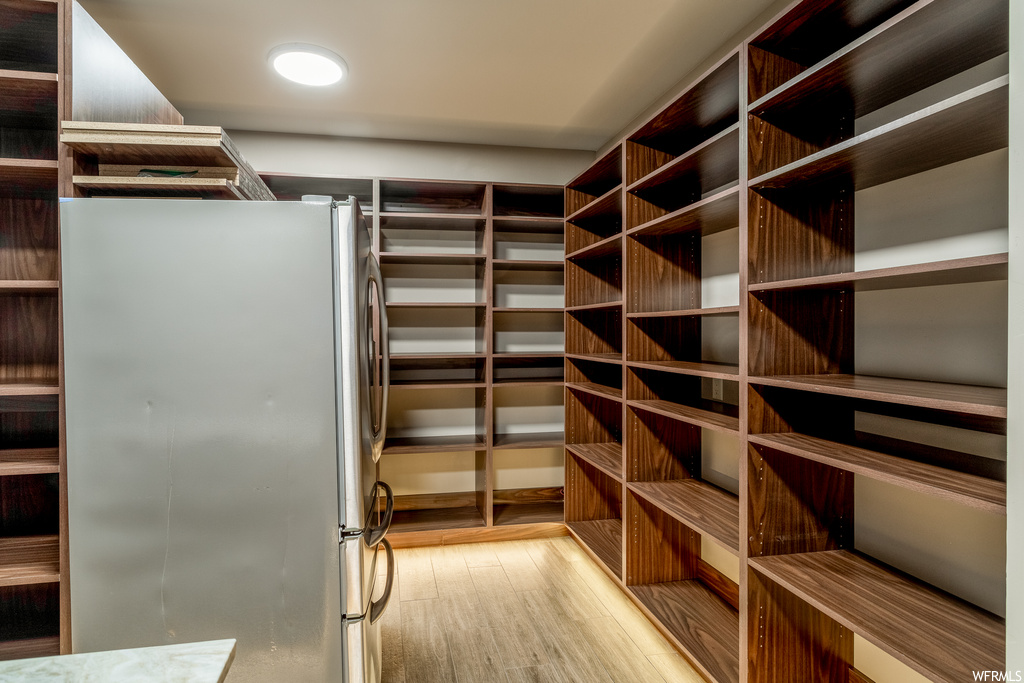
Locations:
609 305
22 461
433 444
923 45
700 623
715 370
703 507
968 124
28 388
988 268
720 310
934 633
606 456
714 162
29 286
597 357
603 247
26 560
27 648
220 188
705 419
526 440
959 398
604 538
966 489
710 215
596 389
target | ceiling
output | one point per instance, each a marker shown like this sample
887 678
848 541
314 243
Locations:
537 73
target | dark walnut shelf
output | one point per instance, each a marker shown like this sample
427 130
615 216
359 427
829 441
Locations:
20 461
928 42
599 179
966 489
713 163
29 286
604 538
29 92
436 304
26 560
603 247
524 440
968 124
703 507
524 264
988 268
10 387
606 457
528 513
701 624
957 398
615 358
714 370
604 305
27 175
685 313
433 444
596 389
932 632
705 419
720 211
436 519
405 258
27 648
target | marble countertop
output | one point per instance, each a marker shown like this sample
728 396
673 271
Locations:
205 662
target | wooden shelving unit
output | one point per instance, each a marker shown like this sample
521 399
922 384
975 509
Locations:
473 276
665 370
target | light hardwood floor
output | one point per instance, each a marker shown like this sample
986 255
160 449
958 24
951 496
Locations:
521 612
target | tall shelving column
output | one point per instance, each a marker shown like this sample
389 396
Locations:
30 596
865 117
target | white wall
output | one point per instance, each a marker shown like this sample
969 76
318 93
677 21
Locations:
1015 466
362 157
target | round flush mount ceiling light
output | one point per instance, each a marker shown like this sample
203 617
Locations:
308 64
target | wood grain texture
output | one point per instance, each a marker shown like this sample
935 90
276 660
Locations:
711 164
961 398
658 548
596 334
596 221
932 632
703 626
598 179
581 371
966 489
594 280
857 676
789 640
606 457
590 418
425 643
706 216
725 371
664 338
429 519
526 514
705 419
988 268
21 461
28 36
47 646
529 440
439 537
28 613
206 188
604 538
659 448
767 71
596 389
771 145
809 332
719 584
533 201
795 505
697 504
433 444
686 312
29 230
665 273
26 560
590 494
29 340
642 160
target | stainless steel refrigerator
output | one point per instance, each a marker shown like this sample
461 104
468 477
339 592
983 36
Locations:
226 386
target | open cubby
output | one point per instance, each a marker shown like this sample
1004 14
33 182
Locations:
598 180
596 334
535 201
431 235
29 620
700 113
528 368
529 241
535 287
28 36
430 282
439 370
30 505
437 329
694 602
593 280
424 196
686 398
594 230
602 379
593 510
528 485
438 490
528 331
287 187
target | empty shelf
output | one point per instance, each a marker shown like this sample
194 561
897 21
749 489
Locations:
529 440
26 560
606 457
704 508
705 419
433 444
14 462
720 211
596 389
604 538
714 370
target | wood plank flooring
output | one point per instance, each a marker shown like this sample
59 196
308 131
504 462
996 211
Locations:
518 611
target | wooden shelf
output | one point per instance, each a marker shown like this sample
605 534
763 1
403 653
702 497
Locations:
971 123
21 461
713 163
28 648
606 457
29 174
604 538
436 519
25 560
704 508
989 268
714 370
29 286
207 188
720 211
433 444
958 398
523 264
29 91
934 633
527 355
545 309
435 216
440 357
604 247
596 181
289 187
615 358
524 440
923 45
528 513
436 304
544 223
429 197
442 259
608 203
700 623
966 489
439 384
29 388
529 382
596 389
705 419
721 310
605 305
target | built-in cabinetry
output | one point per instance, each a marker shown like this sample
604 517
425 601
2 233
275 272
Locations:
786 350
474 289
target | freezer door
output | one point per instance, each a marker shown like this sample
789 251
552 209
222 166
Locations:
362 628
201 426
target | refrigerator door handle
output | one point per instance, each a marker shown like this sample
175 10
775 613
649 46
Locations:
376 533
378 606
380 426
